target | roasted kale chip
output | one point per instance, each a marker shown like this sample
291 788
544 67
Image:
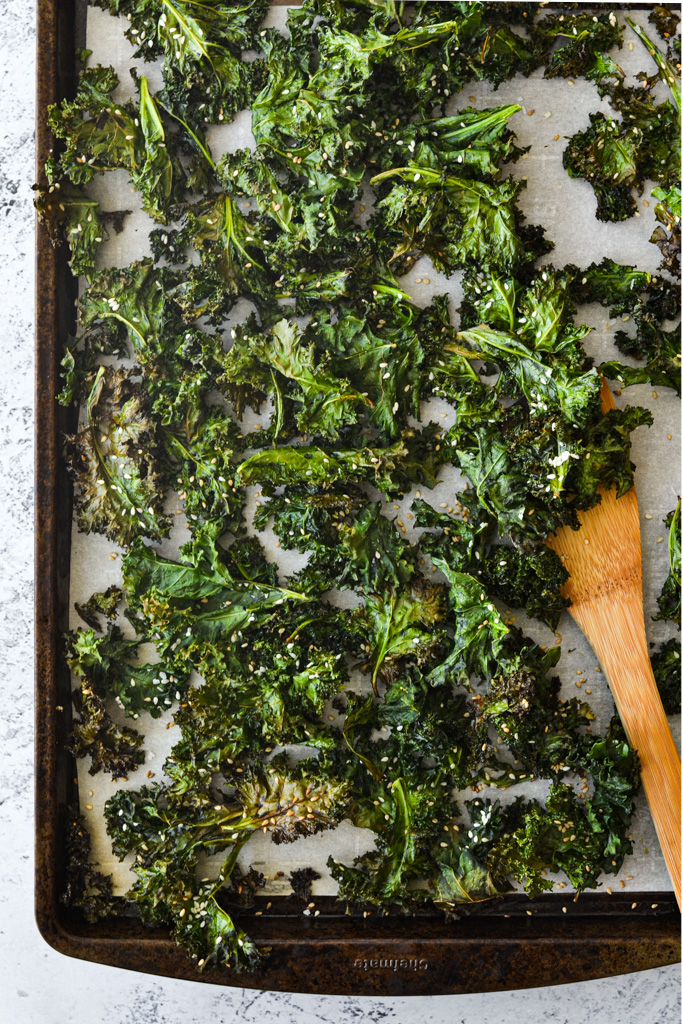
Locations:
109 666
669 600
231 262
526 840
101 135
301 880
648 301
105 603
202 459
453 220
86 888
392 469
585 38
70 215
666 665
114 461
138 310
172 833
185 31
665 19
535 444
667 234
281 360
111 748
531 580
205 78
662 352
617 156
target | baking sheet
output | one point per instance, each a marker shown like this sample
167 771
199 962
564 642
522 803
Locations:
552 109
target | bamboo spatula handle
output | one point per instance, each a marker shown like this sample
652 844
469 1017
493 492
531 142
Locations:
615 628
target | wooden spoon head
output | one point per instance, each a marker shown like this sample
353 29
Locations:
605 554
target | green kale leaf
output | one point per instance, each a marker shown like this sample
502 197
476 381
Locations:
114 461
669 600
101 135
666 665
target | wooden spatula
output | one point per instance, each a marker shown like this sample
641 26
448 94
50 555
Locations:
606 594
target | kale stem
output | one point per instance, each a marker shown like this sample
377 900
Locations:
465 353
279 409
206 152
666 68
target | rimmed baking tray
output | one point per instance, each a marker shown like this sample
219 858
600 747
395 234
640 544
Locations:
512 944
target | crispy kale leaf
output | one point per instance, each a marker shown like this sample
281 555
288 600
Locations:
585 38
665 19
205 78
301 880
392 469
114 461
172 833
402 607
669 600
667 234
531 580
202 460
101 135
666 665
86 888
231 263
111 748
206 601
648 301
109 666
140 308
280 359
453 220
535 443
69 214
105 603
616 157
185 31
582 840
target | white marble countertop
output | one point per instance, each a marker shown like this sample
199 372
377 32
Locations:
38 985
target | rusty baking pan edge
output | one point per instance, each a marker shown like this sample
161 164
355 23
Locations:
494 949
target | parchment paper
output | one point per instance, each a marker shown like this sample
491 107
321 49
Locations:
552 109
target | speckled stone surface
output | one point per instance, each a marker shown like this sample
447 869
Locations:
37 985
